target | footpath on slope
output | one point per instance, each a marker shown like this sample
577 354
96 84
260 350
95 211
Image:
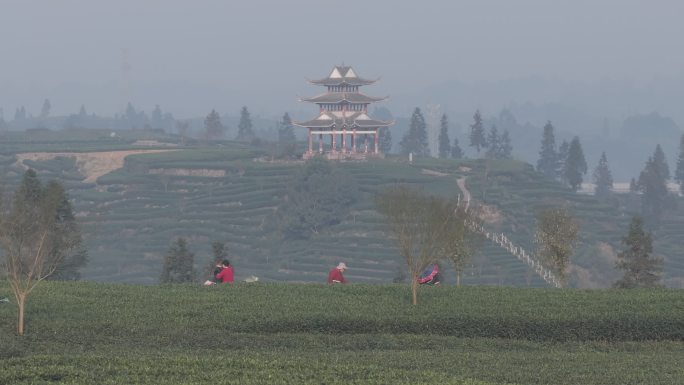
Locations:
502 241
91 164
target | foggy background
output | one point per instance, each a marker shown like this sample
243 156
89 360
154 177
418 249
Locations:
597 69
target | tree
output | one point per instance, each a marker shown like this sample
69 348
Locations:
466 241
385 140
75 254
575 165
477 133
661 162
556 236
506 149
548 158
245 132
286 133
493 143
653 185
182 126
444 144
640 268
415 140
213 126
45 110
178 263
426 228
456 151
603 179
82 112
562 157
157 117
318 196
37 235
679 171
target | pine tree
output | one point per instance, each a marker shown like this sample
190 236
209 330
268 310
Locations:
157 117
493 143
178 263
286 131
45 110
385 140
506 149
213 126
245 132
562 157
661 162
415 140
640 268
477 133
652 184
603 179
679 172
575 165
82 112
456 151
548 158
444 144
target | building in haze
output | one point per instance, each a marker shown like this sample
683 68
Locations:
343 128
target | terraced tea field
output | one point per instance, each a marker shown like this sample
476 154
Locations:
84 333
230 192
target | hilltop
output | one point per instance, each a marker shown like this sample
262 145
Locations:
230 192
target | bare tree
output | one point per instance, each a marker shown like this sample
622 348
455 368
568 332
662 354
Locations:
35 237
557 233
465 240
427 228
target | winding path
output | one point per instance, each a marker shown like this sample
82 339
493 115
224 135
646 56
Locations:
502 241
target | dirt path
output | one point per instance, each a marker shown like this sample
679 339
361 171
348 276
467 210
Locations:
91 164
466 194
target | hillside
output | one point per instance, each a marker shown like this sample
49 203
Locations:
85 332
230 192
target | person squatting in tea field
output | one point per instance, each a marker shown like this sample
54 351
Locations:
336 276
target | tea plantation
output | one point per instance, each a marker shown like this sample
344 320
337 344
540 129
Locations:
231 192
85 333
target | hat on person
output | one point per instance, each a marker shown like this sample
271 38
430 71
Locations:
341 266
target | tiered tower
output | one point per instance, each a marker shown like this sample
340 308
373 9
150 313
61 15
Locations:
343 113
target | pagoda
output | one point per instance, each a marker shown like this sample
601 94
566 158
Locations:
343 126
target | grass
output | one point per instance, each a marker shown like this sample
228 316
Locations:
82 333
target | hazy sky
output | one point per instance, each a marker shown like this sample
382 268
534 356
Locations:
191 56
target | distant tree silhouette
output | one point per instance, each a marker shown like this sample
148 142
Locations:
245 132
603 179
640 268
213 126
444 144
548 158
477 133
575 164
415 140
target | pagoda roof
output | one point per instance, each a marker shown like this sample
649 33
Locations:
344 119
339 97
342 75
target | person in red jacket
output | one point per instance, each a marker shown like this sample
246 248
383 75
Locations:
335 275
226 274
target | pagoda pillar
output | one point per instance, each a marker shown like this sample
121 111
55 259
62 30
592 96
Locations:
344 141
320 143
333 147
310 142
377 135
365 144
354 141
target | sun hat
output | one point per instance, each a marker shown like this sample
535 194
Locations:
341 266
